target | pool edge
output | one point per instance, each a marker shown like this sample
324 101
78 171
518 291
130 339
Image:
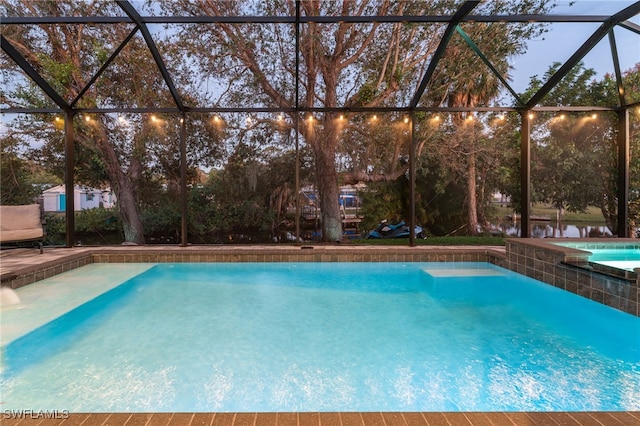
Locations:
330 418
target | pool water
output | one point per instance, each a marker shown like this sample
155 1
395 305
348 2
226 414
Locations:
615 255
627 259
329 337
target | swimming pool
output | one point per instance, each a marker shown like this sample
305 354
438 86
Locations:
329 337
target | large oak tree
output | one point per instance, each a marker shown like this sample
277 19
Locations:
342 65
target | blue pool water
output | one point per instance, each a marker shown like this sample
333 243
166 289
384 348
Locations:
627 258
329 337
614 255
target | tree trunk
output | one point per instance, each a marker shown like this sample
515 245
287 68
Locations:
610 212
131 224
124 189
472 209
327 180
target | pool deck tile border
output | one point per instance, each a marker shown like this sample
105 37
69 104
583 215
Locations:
337 419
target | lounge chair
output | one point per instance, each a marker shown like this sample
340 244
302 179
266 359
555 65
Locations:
21 224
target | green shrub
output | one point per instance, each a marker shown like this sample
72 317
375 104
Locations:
55 229
93 224
98 220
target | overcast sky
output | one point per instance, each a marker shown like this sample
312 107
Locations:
563 39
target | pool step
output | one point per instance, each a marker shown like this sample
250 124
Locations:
462 272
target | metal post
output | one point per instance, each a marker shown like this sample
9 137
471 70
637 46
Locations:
525 174
296 120
183 181
69 184
623 173
412 182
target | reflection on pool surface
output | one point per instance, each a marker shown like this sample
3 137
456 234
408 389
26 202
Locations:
329 337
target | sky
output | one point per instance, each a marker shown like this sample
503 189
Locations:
563 39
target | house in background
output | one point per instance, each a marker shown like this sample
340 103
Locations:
84 197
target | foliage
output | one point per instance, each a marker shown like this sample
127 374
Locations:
575 155
463 80
252 156
344 64
17 187
631 80
55 229
117 151
98 220
384 201
241 211
94 226
439 200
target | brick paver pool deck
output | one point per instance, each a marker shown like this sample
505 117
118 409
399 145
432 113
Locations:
337 419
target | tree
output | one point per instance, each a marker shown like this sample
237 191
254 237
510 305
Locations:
608 201
118 150
17 187
342 64
59 53
463 80
575 155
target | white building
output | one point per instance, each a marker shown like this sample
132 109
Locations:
84 197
